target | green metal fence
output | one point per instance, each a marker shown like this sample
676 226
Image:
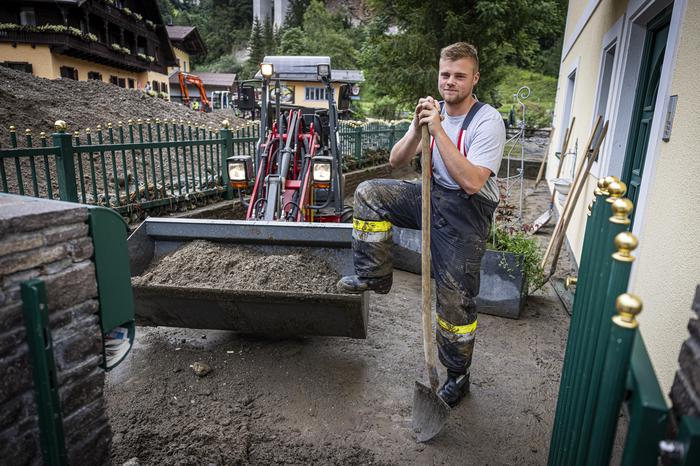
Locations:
132 167
605 358
357 137
152 165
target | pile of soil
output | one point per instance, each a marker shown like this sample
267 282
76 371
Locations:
204 264
36 103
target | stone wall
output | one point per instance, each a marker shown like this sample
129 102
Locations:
685 391
49 240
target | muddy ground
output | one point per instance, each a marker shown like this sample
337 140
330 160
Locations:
339 401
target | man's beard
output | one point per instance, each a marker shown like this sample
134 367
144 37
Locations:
455 97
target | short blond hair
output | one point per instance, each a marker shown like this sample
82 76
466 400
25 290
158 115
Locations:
460 50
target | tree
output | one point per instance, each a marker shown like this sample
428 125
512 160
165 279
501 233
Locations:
405 38
269 44
295 13
257 49
322 34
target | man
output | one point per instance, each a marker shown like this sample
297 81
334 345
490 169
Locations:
467 139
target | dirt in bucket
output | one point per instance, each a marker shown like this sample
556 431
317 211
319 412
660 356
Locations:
206 264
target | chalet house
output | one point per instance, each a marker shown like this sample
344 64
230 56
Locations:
219 88
186 43
123 42
634 63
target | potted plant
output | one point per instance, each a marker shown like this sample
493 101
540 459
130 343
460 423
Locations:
509 270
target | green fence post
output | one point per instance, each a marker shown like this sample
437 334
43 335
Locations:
358 144
65 165
392 135
606 287
562 423
227 151
48 402
612 384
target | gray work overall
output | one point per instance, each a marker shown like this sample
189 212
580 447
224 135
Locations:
459 229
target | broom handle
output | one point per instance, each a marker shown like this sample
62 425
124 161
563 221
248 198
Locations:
426 168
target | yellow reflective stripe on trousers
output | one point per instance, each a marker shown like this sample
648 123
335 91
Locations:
370 226
457 329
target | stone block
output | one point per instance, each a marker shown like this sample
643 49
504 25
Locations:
24 213
689 360
66 317
30 259
73 285
9 341
685 403
20 443
11 316
83 391
18 243
56 267
16 374
64 233
14 279
80 249
11 411
83 343
696 301
694 328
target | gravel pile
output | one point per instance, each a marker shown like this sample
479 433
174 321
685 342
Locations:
204 264
36 103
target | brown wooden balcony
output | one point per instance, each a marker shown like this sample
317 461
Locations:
68 44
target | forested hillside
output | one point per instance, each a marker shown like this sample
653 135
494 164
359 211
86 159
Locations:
395 42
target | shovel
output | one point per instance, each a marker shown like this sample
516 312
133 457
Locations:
430 412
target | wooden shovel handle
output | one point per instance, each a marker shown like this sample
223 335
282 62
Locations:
426 169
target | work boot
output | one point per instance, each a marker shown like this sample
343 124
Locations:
355 284
454 388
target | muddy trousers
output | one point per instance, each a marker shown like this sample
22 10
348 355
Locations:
459 228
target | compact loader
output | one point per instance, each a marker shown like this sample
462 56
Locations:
296 202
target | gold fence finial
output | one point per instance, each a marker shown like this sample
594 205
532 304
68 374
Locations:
226 124
148 121
601 187
621 210
76 133
87 130
12 129
625 243
129 122
616 189
60 126
42 135
139 121
120 124
158 120
28 132
628 307
109 125
99 127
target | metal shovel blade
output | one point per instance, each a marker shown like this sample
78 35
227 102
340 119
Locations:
430 413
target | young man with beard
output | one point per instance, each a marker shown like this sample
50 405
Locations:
467 140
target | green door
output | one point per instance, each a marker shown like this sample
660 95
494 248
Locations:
645 100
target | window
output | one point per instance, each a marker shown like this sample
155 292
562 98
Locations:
164 87
568 102
315 93
114 80
27 16
156 86
19 66
69 73
122 82
605 85
184 64
94 75
132 84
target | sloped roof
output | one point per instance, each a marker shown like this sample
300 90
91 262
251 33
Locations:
209 79
186 38
303 68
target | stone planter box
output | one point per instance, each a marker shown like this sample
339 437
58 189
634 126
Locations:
502 290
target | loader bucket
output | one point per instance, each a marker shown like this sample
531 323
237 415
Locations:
274 313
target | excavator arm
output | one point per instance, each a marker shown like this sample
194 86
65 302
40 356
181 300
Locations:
185 79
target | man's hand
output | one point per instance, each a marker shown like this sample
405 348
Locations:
428 113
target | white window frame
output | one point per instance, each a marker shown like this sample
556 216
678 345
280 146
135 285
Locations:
610 40
314 93
567 106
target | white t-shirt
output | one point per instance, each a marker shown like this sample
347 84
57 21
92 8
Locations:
482 143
